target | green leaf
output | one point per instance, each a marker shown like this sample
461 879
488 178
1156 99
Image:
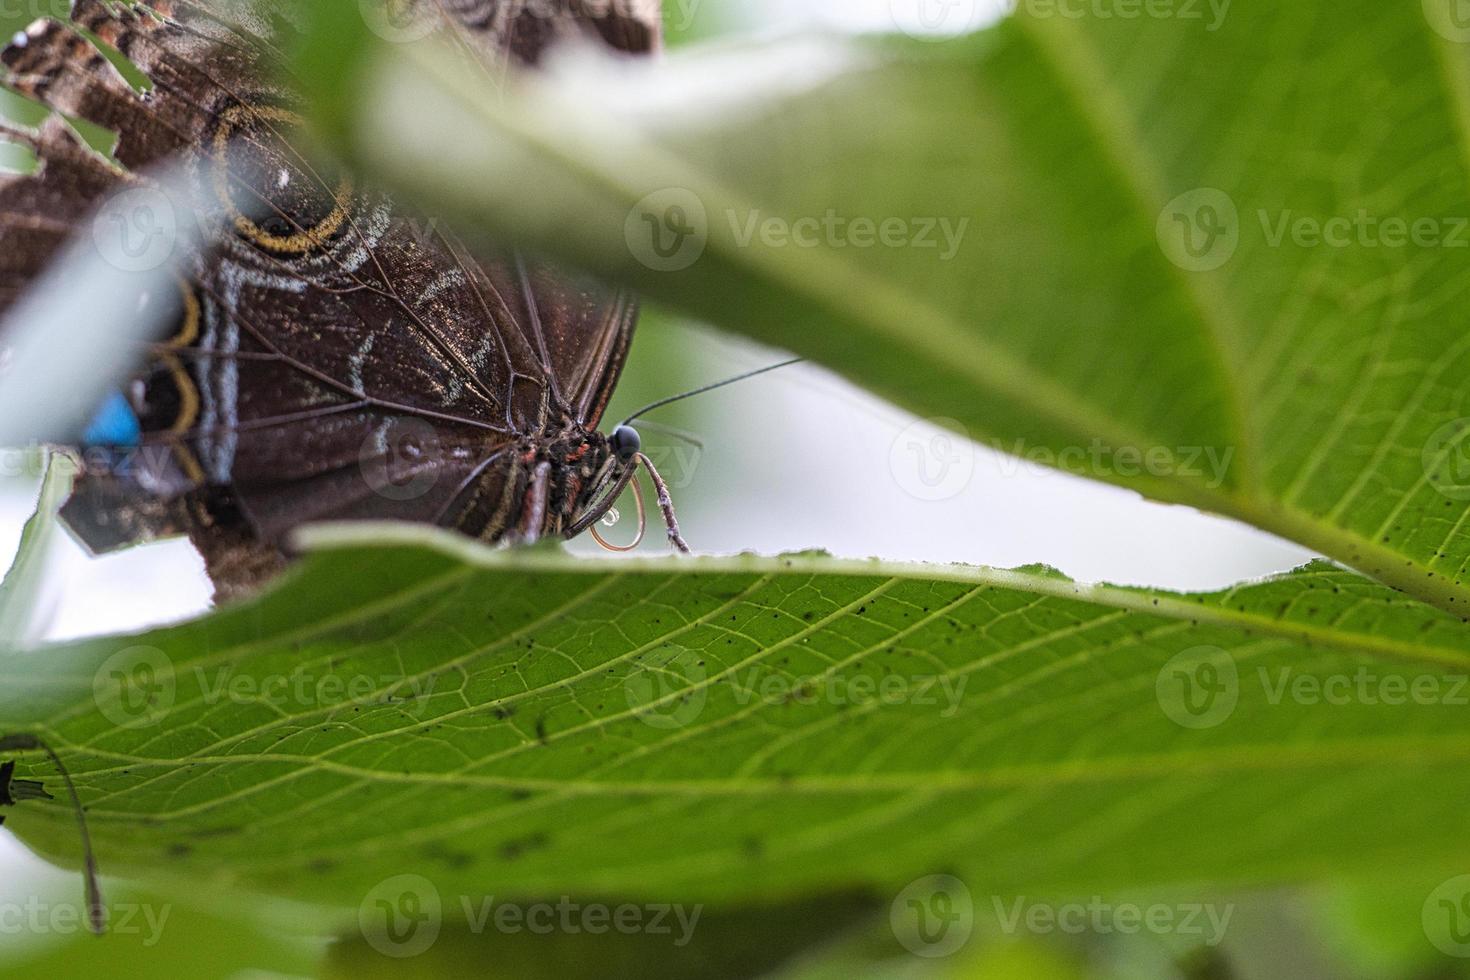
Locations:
741 729
21 590
523 724
1316 390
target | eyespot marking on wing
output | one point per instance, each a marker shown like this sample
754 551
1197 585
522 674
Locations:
286 232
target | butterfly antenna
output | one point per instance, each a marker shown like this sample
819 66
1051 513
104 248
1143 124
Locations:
96 911
708 388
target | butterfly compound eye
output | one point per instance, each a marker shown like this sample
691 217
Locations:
625 442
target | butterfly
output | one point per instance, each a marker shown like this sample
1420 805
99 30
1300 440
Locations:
333 355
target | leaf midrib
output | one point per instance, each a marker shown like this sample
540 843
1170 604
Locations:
1093 97
1355 752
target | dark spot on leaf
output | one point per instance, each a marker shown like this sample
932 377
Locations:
436 851
511 850
217 832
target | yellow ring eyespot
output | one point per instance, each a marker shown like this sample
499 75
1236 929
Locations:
188 413
188 331
301 241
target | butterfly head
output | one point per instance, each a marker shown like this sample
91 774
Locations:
625 443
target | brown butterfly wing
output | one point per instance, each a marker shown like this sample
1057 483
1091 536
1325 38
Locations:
300 348
587 336
38 215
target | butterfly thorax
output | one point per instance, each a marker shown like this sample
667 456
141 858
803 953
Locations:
554 480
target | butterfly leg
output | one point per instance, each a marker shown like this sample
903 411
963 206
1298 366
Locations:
665 504
533 514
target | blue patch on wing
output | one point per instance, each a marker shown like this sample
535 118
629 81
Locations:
115 424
